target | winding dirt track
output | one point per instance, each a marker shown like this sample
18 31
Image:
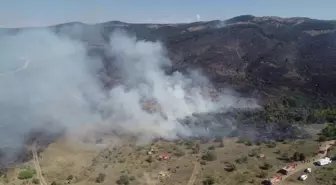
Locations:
194 174
37 166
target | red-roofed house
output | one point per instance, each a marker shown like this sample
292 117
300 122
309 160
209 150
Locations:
164 156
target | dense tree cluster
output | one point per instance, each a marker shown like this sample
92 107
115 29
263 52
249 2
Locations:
329 131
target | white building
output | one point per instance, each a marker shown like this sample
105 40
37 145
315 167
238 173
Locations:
323 161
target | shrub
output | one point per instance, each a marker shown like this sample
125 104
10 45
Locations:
261 175
149 159
70 177
230 167
209 180
100 178
322 138
295 156
203 163
251 181
123 180
302 157
179 153
221 144
2 173
241 160
211 148
328 115
285 142
196 149
36 181
298 156
284 155
53 183
198 146
329 131
248 143
254 152
271 145
278 152
266 166
209 156
121 160
189 144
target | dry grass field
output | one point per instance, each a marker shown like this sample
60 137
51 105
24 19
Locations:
226 161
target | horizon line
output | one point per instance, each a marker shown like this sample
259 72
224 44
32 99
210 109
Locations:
156 23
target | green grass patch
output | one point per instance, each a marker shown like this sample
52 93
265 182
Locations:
26 173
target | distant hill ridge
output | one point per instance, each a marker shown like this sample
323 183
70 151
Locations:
273 55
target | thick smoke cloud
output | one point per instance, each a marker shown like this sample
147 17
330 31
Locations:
48 88
45 78
176 96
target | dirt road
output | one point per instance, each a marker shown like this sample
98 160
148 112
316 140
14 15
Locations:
38 169
194 174
302 166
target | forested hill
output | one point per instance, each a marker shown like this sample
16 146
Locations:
287 62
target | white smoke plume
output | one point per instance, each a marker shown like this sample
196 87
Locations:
49 78
176 96
221 24
48 89
198 17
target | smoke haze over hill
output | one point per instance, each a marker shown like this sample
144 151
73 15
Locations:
47 78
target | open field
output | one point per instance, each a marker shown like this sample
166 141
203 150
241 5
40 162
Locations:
229 161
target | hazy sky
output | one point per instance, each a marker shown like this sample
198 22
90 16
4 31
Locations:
17 13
